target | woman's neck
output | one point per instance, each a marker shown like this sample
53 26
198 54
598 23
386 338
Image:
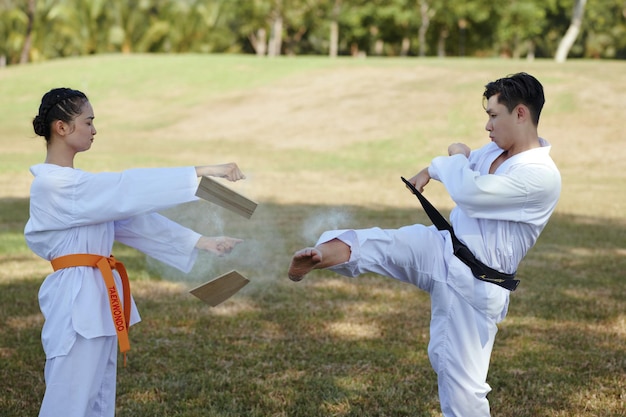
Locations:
60 157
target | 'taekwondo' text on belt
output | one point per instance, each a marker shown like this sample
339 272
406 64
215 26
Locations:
479 269
119 312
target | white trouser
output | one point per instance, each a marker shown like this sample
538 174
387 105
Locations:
82 383
462 331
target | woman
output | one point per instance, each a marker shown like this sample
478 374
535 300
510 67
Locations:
75 217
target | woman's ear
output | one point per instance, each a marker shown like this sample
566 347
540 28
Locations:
60 128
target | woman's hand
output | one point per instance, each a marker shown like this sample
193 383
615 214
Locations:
220 246
230 171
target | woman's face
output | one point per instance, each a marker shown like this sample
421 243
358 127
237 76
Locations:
82 129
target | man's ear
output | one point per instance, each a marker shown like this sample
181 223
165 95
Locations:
522 113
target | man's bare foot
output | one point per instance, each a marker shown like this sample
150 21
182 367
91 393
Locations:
303 262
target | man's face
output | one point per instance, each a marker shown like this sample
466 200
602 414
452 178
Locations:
500 124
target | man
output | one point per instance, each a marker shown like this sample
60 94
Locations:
505 193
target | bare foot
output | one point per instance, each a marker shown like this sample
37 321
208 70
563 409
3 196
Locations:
303 262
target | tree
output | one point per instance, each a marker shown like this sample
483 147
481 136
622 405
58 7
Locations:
426 13
519 24
251 27
13 23
301 19
397 22
28 39
34 30
597 39
572 32
459 27
333 48
274 44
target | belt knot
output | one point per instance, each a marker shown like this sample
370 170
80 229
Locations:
112 262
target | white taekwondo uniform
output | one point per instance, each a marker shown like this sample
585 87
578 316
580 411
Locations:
71 212
499 217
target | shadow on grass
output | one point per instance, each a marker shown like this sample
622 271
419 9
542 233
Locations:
335 346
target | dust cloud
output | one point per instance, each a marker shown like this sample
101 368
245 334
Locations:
264 255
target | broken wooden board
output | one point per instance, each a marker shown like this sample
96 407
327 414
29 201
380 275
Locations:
217 193
220 289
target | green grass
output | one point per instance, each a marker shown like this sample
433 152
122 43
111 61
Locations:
328 346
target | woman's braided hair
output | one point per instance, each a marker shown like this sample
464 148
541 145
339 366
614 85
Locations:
58 104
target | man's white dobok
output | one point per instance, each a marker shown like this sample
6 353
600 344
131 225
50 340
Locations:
499 217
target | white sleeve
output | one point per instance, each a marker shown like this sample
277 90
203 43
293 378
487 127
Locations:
523 194
161 238
81 198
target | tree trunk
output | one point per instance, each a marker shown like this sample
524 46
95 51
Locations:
421 34
530 55
405 47
259 41
572 32
334 39
276 37
355 51
462 23
517 53
441 43
28 39
334 30
379 47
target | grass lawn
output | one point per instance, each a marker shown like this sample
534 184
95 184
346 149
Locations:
323 143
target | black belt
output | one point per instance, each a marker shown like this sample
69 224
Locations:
461 251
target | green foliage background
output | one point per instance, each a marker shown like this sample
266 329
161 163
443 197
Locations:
45 29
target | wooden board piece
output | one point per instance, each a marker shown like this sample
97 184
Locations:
217 193
220 289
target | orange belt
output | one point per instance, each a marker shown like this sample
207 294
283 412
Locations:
119 312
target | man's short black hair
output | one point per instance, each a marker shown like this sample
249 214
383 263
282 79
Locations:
515 89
